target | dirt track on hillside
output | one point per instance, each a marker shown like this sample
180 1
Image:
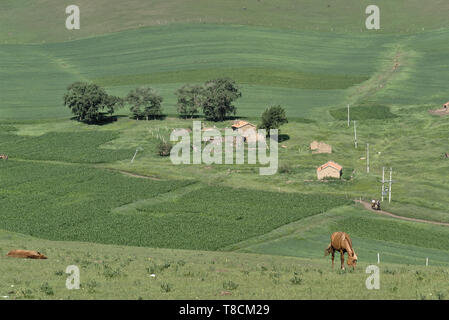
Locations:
137 175
385 213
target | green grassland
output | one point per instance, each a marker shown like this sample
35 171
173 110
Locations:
43 20
396 241
307 72
117 272
223 231
169 56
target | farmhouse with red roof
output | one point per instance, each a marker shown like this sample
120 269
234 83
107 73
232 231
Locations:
329 170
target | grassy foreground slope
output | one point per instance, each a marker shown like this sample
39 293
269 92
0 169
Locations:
113 272
44 20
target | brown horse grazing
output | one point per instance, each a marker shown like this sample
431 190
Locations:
3 156
26 254
341 242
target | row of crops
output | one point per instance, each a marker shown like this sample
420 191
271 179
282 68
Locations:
71 202
76 147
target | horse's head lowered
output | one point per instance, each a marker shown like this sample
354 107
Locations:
352 260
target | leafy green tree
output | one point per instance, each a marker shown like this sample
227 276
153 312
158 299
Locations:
145 103
273 117
87 101
218 96
189 100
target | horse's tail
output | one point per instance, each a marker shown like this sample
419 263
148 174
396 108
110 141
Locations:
328 250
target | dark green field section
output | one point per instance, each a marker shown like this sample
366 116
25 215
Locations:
60 202
364 112
76 147
306 72
264 77
302 71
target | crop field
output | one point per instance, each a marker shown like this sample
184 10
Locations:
194 221
102 197
77 147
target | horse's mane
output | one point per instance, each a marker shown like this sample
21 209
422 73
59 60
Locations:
350 246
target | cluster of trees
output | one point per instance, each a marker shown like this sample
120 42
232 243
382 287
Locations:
215 98
145 103
90 103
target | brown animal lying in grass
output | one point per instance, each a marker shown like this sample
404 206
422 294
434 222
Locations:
26 254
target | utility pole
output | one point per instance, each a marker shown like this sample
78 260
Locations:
355 134
132 160
383 183
348 115
389 191
367 158
135 153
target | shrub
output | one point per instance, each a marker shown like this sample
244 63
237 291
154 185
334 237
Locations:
285 168
45 288
230 285
166 287
164 148
297 280
110 273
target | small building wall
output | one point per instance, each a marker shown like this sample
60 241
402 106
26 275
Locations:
320 147
328 172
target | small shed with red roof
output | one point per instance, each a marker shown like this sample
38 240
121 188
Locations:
329 170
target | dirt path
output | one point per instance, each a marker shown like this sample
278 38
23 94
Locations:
136 175
380 79
367 206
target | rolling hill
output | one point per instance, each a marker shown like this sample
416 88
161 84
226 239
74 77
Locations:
70 190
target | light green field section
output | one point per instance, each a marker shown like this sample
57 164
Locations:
306 72
44 20
396 241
